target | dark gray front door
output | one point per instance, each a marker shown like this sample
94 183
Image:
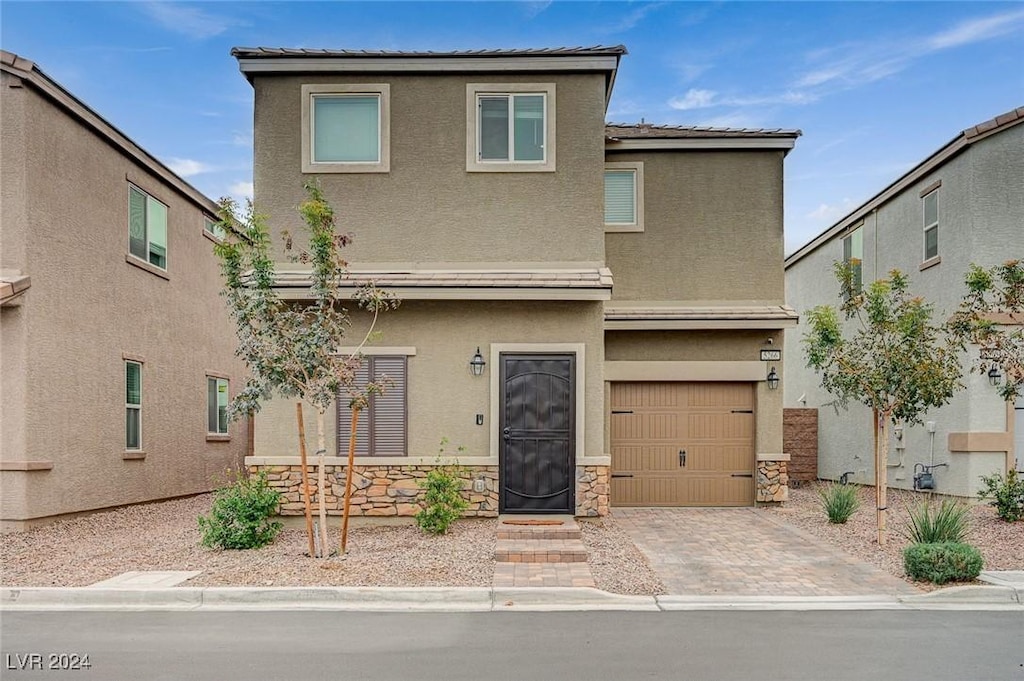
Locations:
538 426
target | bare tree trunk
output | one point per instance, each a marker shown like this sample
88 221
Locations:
305 480
348 480
881 472
321 482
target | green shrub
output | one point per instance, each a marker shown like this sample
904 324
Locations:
240 516
941 563
1007 495
948 523
839 502
444 501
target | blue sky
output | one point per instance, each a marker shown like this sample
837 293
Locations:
875 87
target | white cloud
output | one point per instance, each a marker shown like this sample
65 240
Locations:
532 9
977 30
187 167
690 72
240 191
239 139
829 213
694 99
188 20
633 18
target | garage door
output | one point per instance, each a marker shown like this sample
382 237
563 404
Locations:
682 444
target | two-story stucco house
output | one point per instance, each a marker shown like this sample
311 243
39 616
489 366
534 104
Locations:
116 351
584 305
963 204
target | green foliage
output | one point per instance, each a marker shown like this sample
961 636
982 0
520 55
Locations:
1006 494
895 360
994 291
290 348
941 563
839 502
444 501
240 516
947 523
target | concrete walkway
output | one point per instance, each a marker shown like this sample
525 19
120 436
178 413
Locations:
736 552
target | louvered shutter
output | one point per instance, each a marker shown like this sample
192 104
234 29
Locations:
388 421
345 416
620 197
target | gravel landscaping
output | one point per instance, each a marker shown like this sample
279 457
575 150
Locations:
615 562
1001 543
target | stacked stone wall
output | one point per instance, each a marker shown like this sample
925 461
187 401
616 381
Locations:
772 481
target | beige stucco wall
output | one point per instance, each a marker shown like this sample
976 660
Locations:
428 208
709 346
443 396
712 229
86 308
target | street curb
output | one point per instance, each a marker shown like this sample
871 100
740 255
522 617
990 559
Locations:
870 602
568 598
967 596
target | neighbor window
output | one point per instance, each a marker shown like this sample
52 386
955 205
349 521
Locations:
931 225
216 406
382 427
133 405
511 127
345 128
213 227
853 255
623 197
147 228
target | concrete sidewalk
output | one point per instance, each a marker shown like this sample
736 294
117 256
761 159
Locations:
478 599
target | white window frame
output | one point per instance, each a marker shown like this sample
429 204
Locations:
167 228
930 226
381 90
638 196
227 384
474 91
128 405
212 228
849 238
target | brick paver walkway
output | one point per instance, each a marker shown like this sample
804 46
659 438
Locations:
546 554
724 551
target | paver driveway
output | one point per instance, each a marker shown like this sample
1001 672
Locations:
735 551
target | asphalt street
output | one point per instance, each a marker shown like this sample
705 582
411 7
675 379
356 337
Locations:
349 646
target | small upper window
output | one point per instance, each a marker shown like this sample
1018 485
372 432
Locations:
624 197
931 225
510 127
853 255
216 406
345 128
213 227
147 228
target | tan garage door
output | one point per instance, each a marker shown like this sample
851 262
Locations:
682 444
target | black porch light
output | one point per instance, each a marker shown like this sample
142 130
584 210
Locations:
477 364
773 379
994 377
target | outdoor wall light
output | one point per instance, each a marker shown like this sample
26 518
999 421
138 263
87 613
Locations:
994 377
773 379
477 364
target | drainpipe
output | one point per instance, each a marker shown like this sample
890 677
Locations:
874 257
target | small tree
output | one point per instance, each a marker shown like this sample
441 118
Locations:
991 317
289 347
896 361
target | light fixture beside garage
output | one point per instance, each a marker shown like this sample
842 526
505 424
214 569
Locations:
477 364
773 379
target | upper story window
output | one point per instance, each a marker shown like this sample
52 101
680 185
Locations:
382 427
510 127
147 228
624 196
346 128
213 227
931 224
853 255
133 405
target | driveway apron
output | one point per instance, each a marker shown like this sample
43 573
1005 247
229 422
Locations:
735 551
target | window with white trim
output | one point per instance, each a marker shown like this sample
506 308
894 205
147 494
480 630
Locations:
382 429
147 227
216 405
346 128
213 227
133 405
930 203
853 255
510 127
624 196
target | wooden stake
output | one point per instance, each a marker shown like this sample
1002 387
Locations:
348 480
305 480
321 482
883 480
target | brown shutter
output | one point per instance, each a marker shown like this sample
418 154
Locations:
389 410
345 416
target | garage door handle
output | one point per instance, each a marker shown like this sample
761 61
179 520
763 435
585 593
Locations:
622 411
622 475
682 457
742 475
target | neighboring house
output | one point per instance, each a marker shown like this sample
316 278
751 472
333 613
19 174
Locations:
485 189
116 351
963 204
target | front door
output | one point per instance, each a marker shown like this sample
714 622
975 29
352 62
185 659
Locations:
538 426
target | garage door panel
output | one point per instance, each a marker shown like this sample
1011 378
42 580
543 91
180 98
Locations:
713 422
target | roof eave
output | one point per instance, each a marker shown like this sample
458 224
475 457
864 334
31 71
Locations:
691 143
